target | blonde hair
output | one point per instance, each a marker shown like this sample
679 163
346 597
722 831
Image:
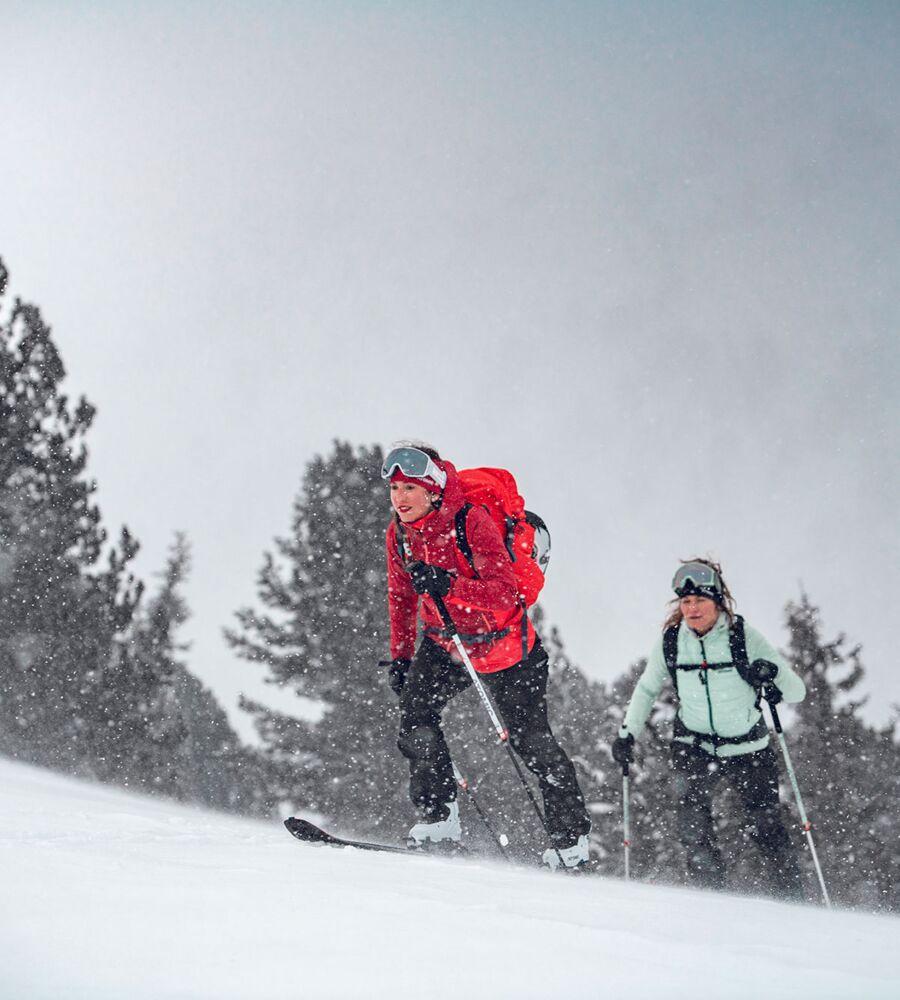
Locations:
727 603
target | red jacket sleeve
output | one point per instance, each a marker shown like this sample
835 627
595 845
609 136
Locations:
403 601
496 588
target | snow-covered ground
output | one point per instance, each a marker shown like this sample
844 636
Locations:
109 896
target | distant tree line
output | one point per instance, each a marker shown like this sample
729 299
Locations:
93 679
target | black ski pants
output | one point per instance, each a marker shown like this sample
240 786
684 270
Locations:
754 776
519 694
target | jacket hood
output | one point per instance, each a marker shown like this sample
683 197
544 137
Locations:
453 496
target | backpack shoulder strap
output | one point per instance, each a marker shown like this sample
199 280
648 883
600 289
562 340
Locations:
400 539
670 652
737 640
462 539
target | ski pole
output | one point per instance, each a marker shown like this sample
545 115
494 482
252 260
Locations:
626 821
807 826
499 728
464 785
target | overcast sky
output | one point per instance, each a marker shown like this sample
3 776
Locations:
644 255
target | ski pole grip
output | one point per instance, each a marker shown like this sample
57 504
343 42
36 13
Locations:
775 720
625 769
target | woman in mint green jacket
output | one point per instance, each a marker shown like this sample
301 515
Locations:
718 665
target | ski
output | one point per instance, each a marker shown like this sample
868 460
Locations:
309 833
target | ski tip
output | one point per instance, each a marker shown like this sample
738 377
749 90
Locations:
303 830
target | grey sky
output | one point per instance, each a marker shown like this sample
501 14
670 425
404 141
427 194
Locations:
644 255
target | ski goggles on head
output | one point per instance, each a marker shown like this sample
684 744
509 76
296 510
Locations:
415 463
696 578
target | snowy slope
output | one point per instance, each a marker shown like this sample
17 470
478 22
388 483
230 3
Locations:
108 895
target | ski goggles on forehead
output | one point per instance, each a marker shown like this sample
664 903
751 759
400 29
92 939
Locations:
694 576
415 463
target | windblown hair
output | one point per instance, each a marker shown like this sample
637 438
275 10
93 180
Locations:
728 606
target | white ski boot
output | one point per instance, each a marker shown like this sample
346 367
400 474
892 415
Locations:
575 856
447 832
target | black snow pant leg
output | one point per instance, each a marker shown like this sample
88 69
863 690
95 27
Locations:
754 777
696 775
519 693
432 680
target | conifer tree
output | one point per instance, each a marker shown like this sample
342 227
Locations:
147 731
172 737
847 770
90 681
59 613
321 630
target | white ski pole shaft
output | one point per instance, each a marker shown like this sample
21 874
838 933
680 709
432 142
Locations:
807 826
626 817
502 733
499 728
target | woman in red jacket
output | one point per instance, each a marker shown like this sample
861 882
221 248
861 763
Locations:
425 562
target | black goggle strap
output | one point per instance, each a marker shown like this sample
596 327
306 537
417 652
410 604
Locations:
691 588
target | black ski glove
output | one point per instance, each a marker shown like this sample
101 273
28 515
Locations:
762 677
623 749
762 672
428 579
399 668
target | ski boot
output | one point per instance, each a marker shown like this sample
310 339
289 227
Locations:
441 833
575 857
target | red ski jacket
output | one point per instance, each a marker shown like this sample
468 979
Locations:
483 604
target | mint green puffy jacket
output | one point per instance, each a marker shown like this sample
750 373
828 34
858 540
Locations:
718 701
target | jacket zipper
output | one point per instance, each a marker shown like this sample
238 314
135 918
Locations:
704 680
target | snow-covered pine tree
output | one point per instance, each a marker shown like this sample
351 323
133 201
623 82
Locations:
321 629
142 729
60 611
847 770
169 734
